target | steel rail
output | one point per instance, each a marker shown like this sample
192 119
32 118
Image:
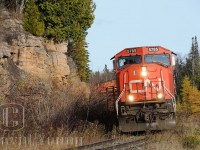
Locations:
127 145
92 145
112 144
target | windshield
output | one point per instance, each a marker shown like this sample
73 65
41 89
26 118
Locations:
163 59
122 61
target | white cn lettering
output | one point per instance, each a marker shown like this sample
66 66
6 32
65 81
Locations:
146 82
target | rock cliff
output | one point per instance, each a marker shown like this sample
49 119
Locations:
32 55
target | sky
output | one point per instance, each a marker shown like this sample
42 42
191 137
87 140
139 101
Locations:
121 24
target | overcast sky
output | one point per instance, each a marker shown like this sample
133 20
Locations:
121 24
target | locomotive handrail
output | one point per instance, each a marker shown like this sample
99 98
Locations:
118 99
168 92
172 96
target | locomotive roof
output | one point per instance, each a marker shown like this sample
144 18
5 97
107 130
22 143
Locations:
142 47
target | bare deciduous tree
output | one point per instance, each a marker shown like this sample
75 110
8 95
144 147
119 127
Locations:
16 5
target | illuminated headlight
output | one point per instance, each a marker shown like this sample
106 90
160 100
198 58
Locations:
144 71
160 95
130 98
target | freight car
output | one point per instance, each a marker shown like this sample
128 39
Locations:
145 89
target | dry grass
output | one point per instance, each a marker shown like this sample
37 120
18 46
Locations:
185 136
54 117
61 140
47 107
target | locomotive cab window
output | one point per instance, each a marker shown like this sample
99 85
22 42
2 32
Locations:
125 60
162 59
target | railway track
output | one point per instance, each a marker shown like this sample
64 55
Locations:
114 144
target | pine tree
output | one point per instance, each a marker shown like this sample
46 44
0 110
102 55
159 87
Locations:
196 63
179 74
196 51
80 56
106 73
32 21
192 67
67 19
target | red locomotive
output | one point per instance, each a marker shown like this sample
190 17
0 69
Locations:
145 84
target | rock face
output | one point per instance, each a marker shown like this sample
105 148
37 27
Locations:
45 60
26 54
33 55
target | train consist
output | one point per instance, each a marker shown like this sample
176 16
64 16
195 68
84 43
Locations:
145 89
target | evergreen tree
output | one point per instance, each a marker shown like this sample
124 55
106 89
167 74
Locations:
32 21
88 70
196 63
179 74
67 19
106 74
80 56
192 67
196 51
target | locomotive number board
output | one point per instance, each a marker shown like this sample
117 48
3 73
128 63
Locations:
153 49
132 50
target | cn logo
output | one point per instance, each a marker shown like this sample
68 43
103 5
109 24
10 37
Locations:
11 117
146 82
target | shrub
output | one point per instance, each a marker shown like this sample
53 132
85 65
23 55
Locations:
48 108
191 141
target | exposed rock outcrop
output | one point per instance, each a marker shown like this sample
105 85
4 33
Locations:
34 55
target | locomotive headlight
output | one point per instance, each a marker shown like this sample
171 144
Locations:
130 98
144 71
160 95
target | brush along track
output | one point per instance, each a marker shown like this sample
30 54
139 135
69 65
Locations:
114 144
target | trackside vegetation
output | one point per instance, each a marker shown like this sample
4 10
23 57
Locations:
190 97
187 77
